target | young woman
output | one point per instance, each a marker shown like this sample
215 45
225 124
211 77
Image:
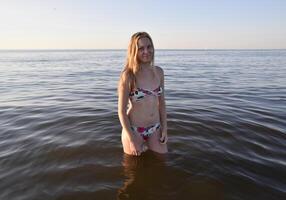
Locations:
141 101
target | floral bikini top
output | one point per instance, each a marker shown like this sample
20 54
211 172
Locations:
140 93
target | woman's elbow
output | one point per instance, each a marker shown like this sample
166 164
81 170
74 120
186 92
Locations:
121 112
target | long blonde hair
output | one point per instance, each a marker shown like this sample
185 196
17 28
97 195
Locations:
132 65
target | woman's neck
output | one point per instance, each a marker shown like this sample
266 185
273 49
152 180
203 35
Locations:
145 66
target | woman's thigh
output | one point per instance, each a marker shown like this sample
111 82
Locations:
154 143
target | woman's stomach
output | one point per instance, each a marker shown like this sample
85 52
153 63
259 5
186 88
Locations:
144 113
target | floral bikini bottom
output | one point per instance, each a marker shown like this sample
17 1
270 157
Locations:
146 132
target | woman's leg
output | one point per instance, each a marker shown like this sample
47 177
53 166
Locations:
126 142
154 143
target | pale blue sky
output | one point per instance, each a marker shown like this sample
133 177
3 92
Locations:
108 24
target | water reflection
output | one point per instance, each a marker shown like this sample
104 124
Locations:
149 177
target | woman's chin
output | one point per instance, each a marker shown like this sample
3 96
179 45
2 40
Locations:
146 61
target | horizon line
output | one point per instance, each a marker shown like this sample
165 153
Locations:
121 49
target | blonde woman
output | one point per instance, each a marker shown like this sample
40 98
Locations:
141 101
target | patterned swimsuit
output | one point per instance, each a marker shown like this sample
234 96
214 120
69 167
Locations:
138 95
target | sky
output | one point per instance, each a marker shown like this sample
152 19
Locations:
173 24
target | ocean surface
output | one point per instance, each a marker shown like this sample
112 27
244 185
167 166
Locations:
60 133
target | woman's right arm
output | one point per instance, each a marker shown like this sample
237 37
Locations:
123 96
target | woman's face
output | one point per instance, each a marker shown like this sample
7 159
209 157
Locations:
145 50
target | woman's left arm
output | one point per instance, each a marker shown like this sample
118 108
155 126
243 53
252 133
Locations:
162 109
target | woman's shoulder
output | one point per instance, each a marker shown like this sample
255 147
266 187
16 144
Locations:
159 71
125 76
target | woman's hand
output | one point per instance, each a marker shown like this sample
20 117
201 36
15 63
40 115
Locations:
164 137
135 148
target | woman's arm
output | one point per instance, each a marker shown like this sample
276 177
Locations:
162 108
123 95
